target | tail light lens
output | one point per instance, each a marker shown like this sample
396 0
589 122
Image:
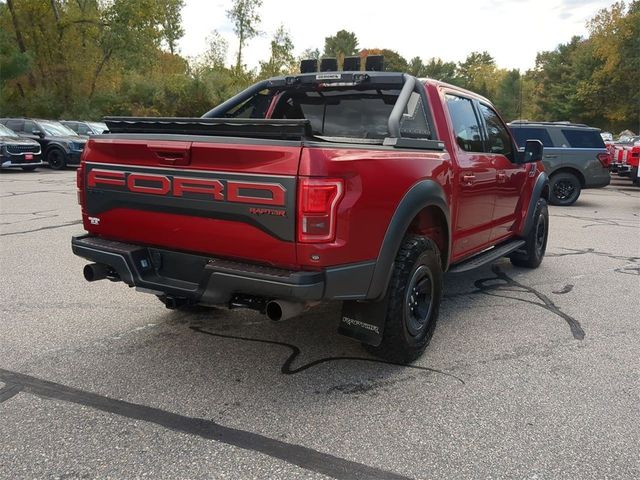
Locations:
80 182
605 159
318 200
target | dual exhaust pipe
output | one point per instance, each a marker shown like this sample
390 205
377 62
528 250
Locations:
275 310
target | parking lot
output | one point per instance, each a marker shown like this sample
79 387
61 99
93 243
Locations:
530 374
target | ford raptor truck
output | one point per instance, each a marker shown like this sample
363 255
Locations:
362 187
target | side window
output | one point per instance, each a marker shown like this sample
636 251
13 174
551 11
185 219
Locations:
255 107
522 134
29 127
583 138
466 126
499 140
15 125
82 129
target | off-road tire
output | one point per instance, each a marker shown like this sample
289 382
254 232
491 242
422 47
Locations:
564 189
57 159
405 338
532 253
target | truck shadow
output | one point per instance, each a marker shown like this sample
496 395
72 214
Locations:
309 344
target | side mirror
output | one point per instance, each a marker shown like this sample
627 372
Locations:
39 133
532 152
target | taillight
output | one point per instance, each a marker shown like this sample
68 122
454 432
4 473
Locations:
318 200
605 159
80 182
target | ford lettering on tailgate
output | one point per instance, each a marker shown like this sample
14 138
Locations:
260 200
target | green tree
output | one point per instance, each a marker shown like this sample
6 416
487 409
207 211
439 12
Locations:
216 54
310 53
438 69
508 96
613 89
393 61
478 73
416 67
171 21
340 45
282 60
246 19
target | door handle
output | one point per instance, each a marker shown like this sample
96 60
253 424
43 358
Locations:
551 156
468 178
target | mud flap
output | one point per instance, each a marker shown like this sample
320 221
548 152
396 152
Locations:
363 321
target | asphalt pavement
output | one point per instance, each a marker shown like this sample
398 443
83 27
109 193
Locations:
531 374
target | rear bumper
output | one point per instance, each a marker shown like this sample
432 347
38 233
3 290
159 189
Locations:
214 281
598 182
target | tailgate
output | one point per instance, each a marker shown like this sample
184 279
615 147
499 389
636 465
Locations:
215 196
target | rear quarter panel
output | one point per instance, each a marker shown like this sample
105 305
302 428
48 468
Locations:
376 179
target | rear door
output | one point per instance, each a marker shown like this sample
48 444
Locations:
584 147
224 197
476 179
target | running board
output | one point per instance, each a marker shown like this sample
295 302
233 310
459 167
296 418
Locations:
487 256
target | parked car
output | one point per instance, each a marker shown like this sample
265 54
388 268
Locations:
60 145
86 128
629 159
575 156
362 187
606 136
17 152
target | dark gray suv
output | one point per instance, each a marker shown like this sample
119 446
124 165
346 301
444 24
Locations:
575 156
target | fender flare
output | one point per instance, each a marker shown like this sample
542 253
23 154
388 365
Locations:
541 182
426 193
53 145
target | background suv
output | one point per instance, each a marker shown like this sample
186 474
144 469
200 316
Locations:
575 156
85 128
60 146
17 152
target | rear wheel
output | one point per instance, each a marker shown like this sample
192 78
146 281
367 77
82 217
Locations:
532 253
413 296
56 159
565 189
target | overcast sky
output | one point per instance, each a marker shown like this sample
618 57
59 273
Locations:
513 31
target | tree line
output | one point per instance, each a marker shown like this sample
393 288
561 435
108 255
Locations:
90 58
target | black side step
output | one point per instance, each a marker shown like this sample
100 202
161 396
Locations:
487 256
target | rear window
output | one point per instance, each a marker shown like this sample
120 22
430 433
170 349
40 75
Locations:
583 138
340 113
522 134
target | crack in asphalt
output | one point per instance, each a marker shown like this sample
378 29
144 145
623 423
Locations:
286 368
304 457
504 283
487 287
20 194
50 227
601 222
593 251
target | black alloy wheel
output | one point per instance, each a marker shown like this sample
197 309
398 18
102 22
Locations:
56 159
565 189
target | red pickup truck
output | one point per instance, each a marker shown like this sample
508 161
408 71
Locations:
362 187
